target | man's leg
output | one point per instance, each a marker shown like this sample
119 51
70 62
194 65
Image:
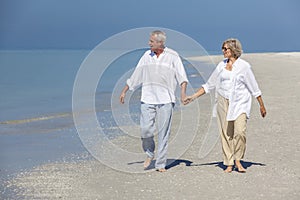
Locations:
147 123
164 119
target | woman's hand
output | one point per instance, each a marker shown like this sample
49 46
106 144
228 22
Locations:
263 111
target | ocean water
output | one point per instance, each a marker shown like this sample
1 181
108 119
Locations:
35 83
36 123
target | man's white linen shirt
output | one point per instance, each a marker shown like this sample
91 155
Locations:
158 76
243 86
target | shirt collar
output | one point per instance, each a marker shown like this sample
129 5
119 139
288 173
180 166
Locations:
156 52
236 62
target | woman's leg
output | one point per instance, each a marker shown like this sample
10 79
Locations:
226 132
240 140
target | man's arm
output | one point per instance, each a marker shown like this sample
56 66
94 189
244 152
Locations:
183 91
123 94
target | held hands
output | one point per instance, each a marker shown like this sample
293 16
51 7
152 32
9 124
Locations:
187 100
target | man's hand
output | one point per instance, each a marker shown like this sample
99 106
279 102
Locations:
123 94
183 97
122 98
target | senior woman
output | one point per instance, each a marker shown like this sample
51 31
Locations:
234 83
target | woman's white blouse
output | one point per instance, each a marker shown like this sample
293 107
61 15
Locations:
243 86
226 79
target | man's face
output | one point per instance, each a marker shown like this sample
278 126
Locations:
154 44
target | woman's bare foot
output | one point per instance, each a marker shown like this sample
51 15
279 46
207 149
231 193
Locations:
240 167
228 169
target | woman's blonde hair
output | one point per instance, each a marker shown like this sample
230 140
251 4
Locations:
235 46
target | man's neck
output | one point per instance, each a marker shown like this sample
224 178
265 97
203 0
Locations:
158 51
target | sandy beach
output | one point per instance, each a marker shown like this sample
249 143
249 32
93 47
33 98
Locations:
272 156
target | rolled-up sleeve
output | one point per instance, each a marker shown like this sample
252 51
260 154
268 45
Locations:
252 84
210 85
180 71
137 76
135 80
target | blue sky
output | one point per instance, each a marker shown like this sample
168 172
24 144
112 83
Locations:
261 25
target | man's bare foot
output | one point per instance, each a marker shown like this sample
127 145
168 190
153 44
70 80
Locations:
161 170
228 169
147 162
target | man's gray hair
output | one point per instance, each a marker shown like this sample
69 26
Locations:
159 35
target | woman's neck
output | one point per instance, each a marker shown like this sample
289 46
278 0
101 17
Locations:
231 60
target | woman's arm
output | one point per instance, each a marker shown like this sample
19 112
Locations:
263 111
191 98
207 87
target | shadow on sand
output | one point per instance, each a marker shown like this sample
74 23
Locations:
170 163
175 162
245 164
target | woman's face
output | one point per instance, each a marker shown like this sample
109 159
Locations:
226 51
